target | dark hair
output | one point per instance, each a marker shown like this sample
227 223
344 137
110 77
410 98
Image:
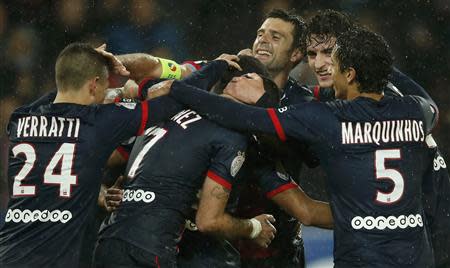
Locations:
250 64
367 53
327 24
77 63
297 21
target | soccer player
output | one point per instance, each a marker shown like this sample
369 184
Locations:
278 45
322 30
372 147
59 145
196 248
164 179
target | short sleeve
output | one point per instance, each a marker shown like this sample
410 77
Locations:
273 182
228 158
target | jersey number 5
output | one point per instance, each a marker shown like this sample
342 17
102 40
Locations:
383 173
65 179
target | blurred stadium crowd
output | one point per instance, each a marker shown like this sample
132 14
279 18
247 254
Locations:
32 32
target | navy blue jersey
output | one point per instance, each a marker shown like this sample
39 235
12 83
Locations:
294 93
56 155
166 169
375 158
268 172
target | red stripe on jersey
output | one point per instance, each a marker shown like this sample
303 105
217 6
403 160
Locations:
316 92
192 63
281 189
157 262
124 153
218 179
144 118
141 87
277 124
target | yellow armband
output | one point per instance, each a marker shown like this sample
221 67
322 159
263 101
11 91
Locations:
170 69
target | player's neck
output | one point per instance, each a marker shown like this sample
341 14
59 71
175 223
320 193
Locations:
72 96
375 96
280 78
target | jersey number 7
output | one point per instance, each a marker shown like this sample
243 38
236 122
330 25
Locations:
65 179
156 134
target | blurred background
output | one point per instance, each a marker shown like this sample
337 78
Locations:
33 32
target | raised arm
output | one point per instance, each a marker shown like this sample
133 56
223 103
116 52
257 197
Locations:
408 86
142 66
222 110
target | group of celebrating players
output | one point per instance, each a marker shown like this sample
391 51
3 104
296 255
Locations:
211 180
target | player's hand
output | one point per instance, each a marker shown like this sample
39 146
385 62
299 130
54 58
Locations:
246 52
114 195
111 94
268 230
251 92
231 60
118 67
160 89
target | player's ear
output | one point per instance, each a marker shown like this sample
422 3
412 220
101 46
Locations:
350 75
92 85
296 55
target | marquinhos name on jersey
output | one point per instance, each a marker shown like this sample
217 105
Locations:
382 131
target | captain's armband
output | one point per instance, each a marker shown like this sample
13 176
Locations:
170 69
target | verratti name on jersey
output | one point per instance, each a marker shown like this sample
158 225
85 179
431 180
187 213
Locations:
382 132
48 126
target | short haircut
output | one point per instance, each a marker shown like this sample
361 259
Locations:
77 63
367 53
297 21
250 64
325 25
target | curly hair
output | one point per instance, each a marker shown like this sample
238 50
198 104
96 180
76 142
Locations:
325 25
297 21
367 53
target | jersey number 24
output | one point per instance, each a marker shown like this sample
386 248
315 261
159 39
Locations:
65 179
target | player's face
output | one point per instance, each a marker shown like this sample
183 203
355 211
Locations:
273 43
339 80
319 58
250 82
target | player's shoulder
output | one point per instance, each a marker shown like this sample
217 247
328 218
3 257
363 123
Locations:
296 85
293 88
225 135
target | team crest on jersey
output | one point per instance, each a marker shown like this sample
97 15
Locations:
283 176
237 163
127 103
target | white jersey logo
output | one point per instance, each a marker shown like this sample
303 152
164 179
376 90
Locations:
25 216
237 163
439 163
390 222
138 196
128 105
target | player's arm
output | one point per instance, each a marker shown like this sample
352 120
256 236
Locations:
223 110
297 121
144 66
408 86
212 218
305 209
281 189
